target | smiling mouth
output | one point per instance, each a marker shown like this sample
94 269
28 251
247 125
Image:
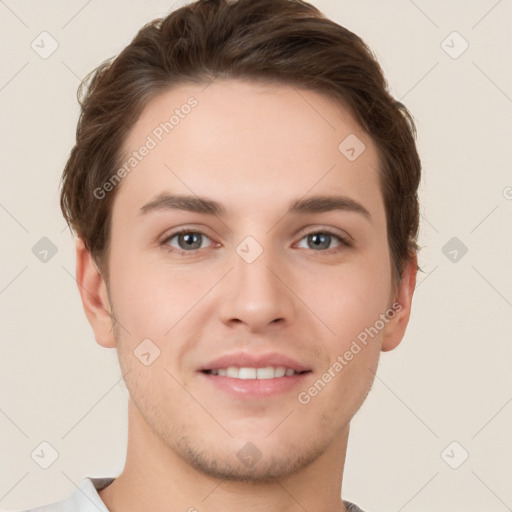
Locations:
249 373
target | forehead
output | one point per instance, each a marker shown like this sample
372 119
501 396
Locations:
249 143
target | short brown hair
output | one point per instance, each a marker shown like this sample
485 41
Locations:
283 41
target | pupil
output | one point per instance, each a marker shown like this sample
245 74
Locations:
320 240
190 239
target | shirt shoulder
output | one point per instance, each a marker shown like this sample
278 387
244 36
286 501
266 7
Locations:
84 499
351 507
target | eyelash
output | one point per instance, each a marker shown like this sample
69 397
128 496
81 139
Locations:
344 243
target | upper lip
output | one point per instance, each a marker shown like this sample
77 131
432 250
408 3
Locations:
246 360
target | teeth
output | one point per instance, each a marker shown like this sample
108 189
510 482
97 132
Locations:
264 373
231 371
244 373
280 371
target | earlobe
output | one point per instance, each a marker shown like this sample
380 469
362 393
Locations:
93 292
395 330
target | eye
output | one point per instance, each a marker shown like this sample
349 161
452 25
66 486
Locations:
321 240
187 241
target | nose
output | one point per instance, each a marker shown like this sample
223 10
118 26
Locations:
257 294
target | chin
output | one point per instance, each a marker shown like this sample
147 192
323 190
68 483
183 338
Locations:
250 463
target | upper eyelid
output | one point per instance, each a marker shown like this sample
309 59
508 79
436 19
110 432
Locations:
342 235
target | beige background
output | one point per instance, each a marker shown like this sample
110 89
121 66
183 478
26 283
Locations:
449 380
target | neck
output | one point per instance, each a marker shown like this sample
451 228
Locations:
156 477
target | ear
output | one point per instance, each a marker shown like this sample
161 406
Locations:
395 329
93 291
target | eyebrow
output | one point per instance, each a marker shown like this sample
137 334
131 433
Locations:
314 204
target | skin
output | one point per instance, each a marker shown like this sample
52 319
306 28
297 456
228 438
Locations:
254 148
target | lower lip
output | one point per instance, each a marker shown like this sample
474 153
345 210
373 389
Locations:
256 388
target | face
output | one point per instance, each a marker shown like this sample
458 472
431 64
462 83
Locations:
278 260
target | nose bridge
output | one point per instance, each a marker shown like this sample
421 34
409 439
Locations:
255 295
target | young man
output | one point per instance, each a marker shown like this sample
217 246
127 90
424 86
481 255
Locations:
244 192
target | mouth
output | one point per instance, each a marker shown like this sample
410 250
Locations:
250 377
252 373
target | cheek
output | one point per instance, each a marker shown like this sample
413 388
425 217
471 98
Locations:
151 298
352 311
351 300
